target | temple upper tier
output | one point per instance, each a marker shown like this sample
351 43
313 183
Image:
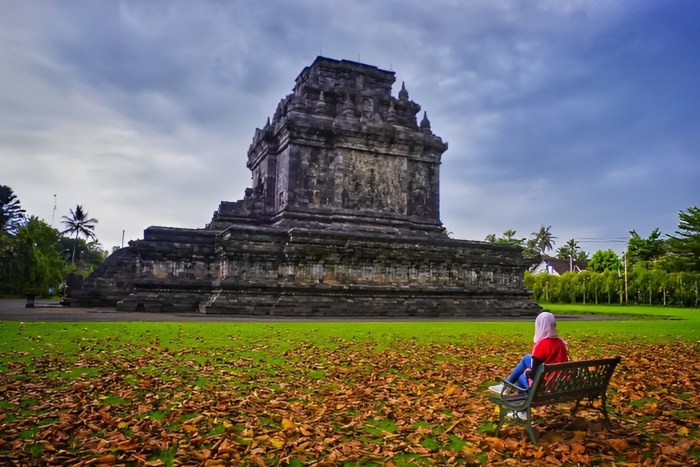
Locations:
341 150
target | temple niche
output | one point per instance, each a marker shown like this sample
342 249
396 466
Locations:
342 219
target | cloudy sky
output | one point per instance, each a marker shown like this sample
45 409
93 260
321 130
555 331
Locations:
582 115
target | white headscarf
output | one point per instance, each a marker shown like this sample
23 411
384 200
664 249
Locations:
545 326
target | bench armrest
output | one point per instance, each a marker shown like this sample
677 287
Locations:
507 385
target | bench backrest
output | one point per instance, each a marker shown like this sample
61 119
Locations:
571 380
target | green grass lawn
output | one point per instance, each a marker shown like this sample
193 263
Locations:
652 324
618 310
344 393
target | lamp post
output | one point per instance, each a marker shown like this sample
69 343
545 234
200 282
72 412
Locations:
53 215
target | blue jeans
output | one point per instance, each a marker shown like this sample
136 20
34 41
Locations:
518 376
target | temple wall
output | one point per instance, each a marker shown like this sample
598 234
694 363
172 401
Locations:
253 270
340 260
452 277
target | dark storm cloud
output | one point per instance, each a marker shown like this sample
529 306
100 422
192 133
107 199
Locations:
594 128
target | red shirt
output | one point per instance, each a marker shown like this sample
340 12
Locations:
550 350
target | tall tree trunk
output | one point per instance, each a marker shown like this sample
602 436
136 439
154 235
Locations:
664 292
75 245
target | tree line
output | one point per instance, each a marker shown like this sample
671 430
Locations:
655 270
36 257
640 286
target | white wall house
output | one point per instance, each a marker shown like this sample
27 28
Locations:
557 267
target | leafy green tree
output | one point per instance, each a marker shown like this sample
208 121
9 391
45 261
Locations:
88 255
540 285
9 273
566 288
81 225
548 285
35 263
646 284
11 213
596 285
657 287
684 288
684 246
612 285
604 260
645 249
583 281
508 238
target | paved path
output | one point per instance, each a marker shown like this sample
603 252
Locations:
45 310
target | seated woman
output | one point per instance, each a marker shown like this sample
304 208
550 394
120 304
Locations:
548 348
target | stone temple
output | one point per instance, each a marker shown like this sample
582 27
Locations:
343 219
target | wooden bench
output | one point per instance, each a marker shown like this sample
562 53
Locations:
560 382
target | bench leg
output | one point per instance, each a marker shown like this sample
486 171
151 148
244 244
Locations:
591 402
502 412
501 418
604 409
528 427
576 407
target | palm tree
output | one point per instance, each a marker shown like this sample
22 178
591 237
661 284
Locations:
508 238
573 247
543 239
80 224
569 251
